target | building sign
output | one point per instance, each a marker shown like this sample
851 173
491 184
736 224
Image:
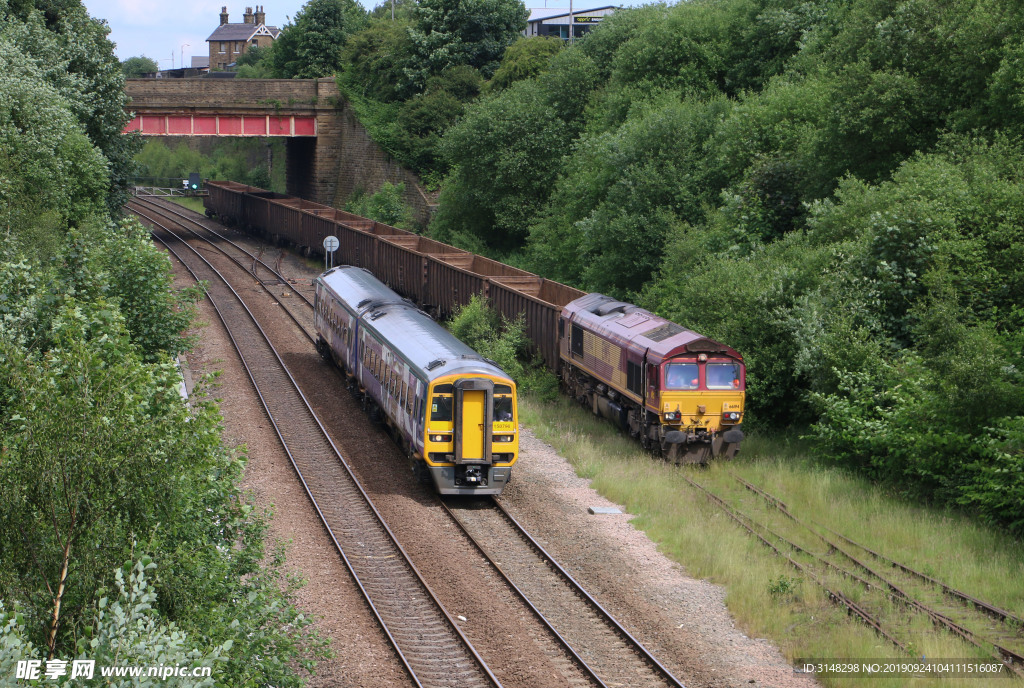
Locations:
586 20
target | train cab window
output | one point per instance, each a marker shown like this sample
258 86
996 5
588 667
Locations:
681 376
502 403
723 375
502 409
441 406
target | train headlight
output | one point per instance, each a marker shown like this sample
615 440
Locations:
731 415
672 416
503 438
440 438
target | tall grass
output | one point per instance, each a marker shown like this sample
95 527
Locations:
767 596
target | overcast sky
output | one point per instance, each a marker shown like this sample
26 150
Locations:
159 28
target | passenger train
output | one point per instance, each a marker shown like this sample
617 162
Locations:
452 411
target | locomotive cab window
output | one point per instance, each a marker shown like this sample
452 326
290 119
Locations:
681 376
723 375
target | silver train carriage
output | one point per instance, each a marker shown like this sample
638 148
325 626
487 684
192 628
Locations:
453 411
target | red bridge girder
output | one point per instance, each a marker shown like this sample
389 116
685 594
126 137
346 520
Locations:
223 125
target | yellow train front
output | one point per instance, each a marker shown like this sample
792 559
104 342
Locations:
453 412
670 387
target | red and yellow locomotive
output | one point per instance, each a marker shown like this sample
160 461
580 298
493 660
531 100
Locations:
668 386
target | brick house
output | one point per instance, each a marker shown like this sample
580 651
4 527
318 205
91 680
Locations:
230 41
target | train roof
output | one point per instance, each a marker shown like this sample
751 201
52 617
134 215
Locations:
618 320
428 347
358 288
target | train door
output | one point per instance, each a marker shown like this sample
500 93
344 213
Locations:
474 404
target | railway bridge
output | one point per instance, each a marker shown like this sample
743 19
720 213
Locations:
329 155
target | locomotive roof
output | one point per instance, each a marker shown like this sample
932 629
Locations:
618 320
428 347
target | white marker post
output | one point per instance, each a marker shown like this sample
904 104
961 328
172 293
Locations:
331 245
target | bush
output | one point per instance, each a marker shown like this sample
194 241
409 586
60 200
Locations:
386 205
505 343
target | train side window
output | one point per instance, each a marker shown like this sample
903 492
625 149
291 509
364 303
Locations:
401 397
576 341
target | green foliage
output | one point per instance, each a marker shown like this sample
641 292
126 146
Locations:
783 587
73 55
505 155
374 60
136 67
312 46
449 33
385 205
525 59
156 316
504 342
622 194
98 452
51 175
259 162
255 63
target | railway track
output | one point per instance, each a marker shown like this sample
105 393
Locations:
600 651
888 593
570 613
427 640
298 305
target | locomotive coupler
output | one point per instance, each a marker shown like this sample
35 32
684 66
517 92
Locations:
471 475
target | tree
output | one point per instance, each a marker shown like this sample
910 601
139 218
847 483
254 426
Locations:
74 55
525 59
51 175
312 47
505 153
463 32
135 67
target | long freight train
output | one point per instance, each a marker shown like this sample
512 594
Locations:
450 409
670 387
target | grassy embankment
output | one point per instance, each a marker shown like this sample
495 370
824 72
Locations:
763 592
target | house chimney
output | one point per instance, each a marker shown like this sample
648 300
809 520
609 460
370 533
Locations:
223 15
247 17
261 16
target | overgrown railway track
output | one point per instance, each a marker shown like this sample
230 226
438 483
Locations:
427 640
817 553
